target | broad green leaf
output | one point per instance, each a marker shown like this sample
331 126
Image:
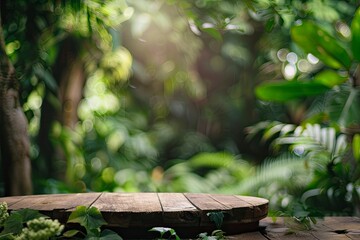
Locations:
109 235
355 32
330 78
356 147
313 39
213 160
13 224
217 218
90 218
289 90
30 214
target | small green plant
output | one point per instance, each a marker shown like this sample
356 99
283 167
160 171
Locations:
164 231
3 213
218 234
37 225
29 224
215 235
40 229
91 219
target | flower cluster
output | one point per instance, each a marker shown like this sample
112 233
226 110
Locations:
40 229
3 212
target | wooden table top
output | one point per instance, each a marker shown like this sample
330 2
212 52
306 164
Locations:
133 214
136 213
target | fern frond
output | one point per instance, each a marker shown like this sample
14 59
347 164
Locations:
277 170
313 139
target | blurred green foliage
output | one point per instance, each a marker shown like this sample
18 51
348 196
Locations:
170 87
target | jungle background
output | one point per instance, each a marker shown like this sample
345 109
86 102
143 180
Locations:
244 97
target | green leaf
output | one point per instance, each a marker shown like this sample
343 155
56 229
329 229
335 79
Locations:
217 218
355 32
13 224
8 236
289 90
90 218
330 78
160 230
71 233
213 32
356 147
109 235
313 39
30 214
269 26
163 230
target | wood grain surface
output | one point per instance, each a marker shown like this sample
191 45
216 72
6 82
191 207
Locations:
133 214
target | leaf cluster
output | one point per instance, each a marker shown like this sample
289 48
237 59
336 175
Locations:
91 219
40 227
24 223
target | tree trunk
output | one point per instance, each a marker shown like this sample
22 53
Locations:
14 140
69 73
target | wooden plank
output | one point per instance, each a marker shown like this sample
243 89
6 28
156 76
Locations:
247 236
353 235
11 200
287 228
130 209
329 235
57 206
240 210
260 206
128 202
177 210
350 224
53 202
205 203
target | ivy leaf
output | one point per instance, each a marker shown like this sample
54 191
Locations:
289 90
313 39
217 218
355 32
163 230
109 235
30 214
90 218
13 224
